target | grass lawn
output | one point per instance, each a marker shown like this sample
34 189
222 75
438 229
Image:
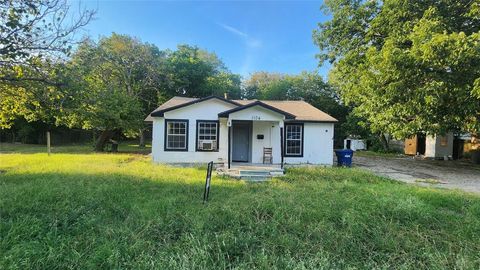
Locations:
82 210
123 147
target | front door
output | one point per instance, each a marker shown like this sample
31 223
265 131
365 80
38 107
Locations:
241 142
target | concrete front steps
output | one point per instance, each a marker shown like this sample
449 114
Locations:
252 173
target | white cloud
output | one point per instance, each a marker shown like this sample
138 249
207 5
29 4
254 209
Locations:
249 41
233 30
251 45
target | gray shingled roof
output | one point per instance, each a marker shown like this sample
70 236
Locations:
301 109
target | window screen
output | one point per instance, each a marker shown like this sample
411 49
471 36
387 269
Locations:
293 140
176 135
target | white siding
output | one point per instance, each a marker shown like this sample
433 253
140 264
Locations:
318 137
206 110
271 133
256 113
317 145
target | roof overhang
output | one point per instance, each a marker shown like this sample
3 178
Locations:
311 121
161 113
256 103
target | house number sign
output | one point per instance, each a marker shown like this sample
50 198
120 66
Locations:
255 117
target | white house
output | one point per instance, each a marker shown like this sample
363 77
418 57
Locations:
191 130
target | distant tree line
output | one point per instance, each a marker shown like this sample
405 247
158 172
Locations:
50 82
111 85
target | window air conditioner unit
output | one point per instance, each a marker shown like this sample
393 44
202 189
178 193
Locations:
208 145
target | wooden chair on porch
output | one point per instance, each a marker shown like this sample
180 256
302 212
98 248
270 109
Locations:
267 155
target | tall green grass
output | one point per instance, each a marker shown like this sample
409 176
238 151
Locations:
121 211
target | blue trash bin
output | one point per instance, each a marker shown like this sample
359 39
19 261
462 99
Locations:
344 157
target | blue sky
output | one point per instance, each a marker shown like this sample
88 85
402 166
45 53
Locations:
248 36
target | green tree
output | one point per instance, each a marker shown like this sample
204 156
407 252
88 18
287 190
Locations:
35 38
256 85
193 72
33 32
406 66
115 82
223 83
34 100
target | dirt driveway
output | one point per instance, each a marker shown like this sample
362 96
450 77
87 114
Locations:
444 174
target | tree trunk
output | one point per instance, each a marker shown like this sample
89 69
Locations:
102 140
142 138
384 141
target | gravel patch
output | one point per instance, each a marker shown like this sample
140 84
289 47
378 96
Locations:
439 173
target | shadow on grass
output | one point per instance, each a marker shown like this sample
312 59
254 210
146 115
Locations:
118 220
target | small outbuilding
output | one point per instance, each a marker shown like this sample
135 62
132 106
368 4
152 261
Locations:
430 146
354 144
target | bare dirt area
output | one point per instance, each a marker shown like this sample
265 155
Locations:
444 174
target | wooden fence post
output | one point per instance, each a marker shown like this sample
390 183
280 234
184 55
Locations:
48 143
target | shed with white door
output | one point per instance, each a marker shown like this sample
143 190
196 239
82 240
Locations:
354 144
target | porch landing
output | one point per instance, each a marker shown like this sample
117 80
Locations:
251 171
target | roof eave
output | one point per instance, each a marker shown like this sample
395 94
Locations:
314 121
157 114
259 103
161 113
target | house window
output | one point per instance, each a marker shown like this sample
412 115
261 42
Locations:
207 135
176 135
294 140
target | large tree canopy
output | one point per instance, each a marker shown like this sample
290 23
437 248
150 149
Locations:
406 66
35 39
194 72
33 100
119 80
33 32
115 83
